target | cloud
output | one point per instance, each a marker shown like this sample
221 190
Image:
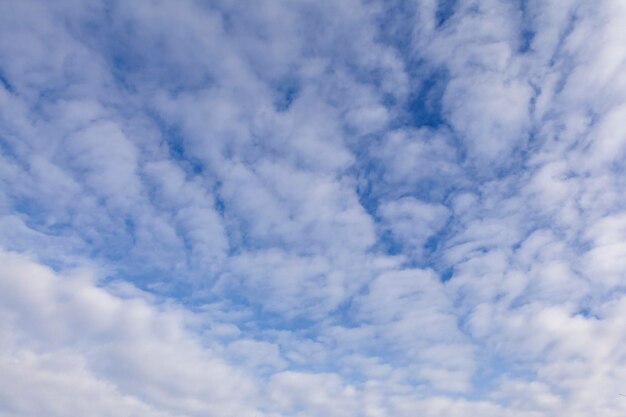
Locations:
306 209
65 332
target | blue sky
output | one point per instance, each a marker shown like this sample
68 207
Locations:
312 208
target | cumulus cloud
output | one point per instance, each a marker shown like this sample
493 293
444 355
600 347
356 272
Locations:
88 350
312 209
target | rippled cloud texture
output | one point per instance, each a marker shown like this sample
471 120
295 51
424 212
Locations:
312 208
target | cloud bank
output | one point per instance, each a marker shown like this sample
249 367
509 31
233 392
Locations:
277 209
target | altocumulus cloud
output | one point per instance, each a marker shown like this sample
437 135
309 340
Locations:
277 208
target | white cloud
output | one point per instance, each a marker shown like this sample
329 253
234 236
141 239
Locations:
491 114
63 331
313 208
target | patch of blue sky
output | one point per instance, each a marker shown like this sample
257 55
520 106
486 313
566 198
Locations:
8 144
174 138
436 242
286 92
528 32
445 11
368 175
35 215
110 242
389 245
424 107
446 274
4 82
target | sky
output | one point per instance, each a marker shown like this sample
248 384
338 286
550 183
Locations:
312 208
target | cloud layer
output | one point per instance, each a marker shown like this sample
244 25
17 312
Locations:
312 208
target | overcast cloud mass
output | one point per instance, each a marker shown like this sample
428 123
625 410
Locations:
312 208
